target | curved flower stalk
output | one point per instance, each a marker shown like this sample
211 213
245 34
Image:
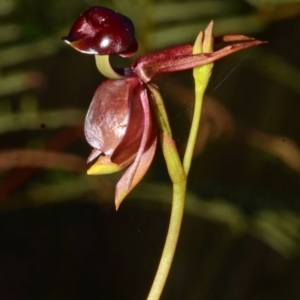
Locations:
120 124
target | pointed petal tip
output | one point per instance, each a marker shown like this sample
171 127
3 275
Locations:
235 38
117 205
80 45
65 39
119 197
103 166
68 40
210 26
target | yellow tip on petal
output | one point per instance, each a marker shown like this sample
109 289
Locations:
203 44
208 39
198 43
103 166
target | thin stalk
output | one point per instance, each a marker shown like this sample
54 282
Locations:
193 131
204 43
178 178
165 263
105 68
178 171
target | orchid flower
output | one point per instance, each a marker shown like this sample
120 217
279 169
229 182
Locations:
127 112
120 125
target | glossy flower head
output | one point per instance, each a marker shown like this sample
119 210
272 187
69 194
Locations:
102 31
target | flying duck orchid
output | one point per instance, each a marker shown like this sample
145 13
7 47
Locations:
120 124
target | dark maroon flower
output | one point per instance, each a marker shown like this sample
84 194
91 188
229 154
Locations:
102 31
120 125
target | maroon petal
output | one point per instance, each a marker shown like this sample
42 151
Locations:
129 146
138 173
102 31
108 115
145 154
181 58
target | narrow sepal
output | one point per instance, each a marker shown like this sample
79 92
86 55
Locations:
122 188
144 155
181 58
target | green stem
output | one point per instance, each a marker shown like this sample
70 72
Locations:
178 171
204 43
178 178
193 131
179 190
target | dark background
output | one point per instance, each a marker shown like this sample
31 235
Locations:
60 237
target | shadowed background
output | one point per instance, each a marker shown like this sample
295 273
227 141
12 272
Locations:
60 237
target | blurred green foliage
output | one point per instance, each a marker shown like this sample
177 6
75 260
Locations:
242 214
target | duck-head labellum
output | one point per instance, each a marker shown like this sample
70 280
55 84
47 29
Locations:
102 31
